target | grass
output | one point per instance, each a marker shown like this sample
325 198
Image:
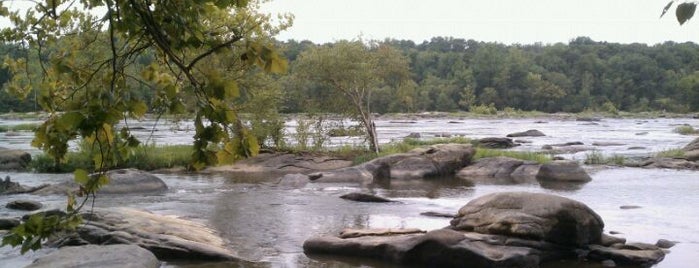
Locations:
686 130
671 153
528 156
148 157
20 127
597 158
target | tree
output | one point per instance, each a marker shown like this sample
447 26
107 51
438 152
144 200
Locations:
87 91
349 68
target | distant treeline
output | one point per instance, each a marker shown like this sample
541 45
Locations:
449 74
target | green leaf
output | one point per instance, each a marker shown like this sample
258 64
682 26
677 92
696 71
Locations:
667 7
69 121
138 108
685 11
81 176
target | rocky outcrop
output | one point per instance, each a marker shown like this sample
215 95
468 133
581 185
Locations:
691 150
528 133
433 161
167 237
531 216
670 163
282 163
497 230
111 256
563 171
499 170
121 181
14 159
496 143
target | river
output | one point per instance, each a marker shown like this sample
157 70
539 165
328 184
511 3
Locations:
268 224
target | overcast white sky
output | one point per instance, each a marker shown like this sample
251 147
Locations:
505 21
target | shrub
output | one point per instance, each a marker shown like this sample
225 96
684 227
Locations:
686 130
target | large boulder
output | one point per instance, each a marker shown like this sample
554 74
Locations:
691 151
438 248
531 216
110 256
14 159
433 161
121 181
528 133
167 237
499 170
562 171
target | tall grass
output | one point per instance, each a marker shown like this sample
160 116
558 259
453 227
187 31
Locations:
597 158
528 156
671 153
686 130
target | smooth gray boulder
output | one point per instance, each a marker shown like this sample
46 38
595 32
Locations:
562 171
109 256
167 237
691 150
528 133
499 170
121 181
421 163
14 159
534 216
27 205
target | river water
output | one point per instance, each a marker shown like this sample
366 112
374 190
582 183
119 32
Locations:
268 224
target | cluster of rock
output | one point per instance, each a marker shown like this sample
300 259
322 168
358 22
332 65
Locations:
14 159
510 229
689 159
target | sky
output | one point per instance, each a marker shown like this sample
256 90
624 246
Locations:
503 21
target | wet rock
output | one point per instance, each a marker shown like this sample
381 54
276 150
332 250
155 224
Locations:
438 248
296 180
601 144
645 258
352 233
437 214
588 119
636 148
665 244
670 163
165 236
642 133
121 181
572 143
531 216
499 170
496 143
608 263
27 205
528 133
692 146
629 207
692 155
8 223
608 240
563 171
362 197
14 159
434 161
110 256
413 135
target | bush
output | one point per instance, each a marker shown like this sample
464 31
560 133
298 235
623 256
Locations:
484 109
597 158
686 130
671 153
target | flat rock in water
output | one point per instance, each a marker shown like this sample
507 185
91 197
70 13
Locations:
528 133
362 197
27 205
664 243
166 236
438 214
644 258
352 233
121 181
496 143
499 170
109 256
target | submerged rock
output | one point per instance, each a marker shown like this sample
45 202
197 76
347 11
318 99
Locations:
641 257
28 205
528 133
362 197
500 170
496 143
110 256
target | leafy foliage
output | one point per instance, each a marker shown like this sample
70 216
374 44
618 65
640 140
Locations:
90 61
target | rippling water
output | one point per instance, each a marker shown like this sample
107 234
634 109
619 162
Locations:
269 224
